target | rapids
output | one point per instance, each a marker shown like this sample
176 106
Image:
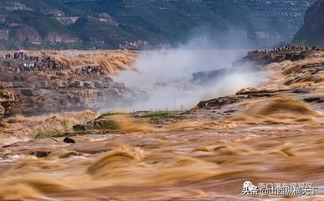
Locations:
207 160
269 134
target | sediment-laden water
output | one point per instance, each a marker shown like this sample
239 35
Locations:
270 134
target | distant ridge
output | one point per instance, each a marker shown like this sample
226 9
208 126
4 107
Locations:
134 24
312 32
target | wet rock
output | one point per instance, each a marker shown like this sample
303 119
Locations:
271 57
248 95
41 154
83 127
219 102
261 93
6 146
303 91
206 77
316 99
79 127
230 111
69 140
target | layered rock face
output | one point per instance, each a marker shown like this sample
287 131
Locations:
312 31
260 21
39 89
60 24
295 72
285 18
38 93
279 55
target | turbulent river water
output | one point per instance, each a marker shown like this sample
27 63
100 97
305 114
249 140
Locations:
206 156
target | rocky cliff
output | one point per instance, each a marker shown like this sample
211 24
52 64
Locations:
312 31
263 22
84 24
296 73
39 93
41 84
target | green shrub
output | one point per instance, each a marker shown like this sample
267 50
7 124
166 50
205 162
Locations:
163 115
105 125
46 133
206 107
110 114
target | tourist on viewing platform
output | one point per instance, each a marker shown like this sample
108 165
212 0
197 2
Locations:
20 55
33 64
89 69
283 48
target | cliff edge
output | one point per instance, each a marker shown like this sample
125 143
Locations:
311 32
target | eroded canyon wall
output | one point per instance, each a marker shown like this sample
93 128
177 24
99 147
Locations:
311 32
57 83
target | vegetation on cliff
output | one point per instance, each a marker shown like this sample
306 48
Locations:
115 24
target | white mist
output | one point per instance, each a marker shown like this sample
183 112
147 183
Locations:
166 75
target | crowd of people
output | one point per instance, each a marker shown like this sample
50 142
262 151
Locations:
20 55
20 62
89 70
35 64
283 48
